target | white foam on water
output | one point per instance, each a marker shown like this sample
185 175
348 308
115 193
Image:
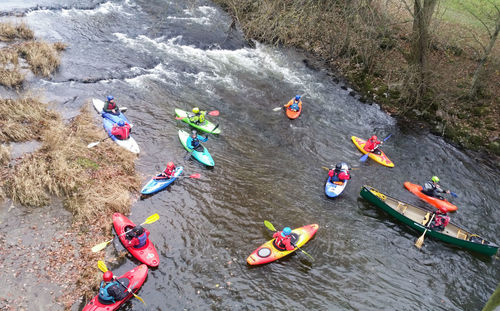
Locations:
103 9
157 73
196 20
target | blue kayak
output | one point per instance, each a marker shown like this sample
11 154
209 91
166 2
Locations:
333 190
155 185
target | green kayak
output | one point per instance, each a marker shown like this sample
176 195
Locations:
206 126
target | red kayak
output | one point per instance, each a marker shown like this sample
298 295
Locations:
133 279
146 254
442 205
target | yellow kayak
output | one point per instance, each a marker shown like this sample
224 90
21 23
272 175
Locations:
379 158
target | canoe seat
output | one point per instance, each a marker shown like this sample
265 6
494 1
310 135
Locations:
461 235
402 207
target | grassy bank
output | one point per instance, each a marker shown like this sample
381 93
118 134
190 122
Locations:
368 43
92 183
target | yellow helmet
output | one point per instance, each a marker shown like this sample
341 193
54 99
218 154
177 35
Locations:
196 109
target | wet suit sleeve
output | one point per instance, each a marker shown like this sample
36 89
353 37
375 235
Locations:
289 103
202 139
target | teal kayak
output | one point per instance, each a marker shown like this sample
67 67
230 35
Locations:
206 126
204 157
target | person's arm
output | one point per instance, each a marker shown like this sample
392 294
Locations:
288 245
203 139
289 103
275 235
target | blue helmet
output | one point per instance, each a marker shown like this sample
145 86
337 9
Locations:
286 231
297 97
121 123
110 97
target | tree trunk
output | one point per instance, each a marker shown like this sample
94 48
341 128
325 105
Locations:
422 15
480 67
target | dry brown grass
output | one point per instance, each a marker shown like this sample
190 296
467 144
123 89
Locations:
4 154
42 57
9 68
11 32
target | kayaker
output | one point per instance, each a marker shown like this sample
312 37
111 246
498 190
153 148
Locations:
372 145
340 173
294 103
121 130
431 188
198 116
283 239
194 139
110 106
137 237
441 220
110 290
169 170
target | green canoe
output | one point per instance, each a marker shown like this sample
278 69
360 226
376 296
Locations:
206 126
416 217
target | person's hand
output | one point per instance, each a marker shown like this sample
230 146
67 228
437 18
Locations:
206 136
448 191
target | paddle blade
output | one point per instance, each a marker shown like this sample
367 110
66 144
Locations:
420 240
364 157
100 247
102 266
151 219
180 118
454 194
325 168
91 145
197 175
123 109
269 225
306 253
277 108
139 298
214 113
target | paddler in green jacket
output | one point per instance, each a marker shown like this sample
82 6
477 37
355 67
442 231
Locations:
198 116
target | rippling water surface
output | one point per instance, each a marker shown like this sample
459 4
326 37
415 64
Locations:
154 56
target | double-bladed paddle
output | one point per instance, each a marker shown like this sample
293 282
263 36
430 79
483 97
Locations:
151 219
102 266
271 227
213 113
197 175
364 157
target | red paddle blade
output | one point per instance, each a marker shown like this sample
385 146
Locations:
197 175
179 118
214 113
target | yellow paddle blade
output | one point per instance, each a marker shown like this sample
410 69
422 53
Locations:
102 266
420 240
325 168
151 219
100 247
269 225
139 298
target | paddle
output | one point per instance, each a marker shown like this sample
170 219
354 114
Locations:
102 266
351 169
197 175
213 113
91 145
420 240
364 157
151 219
271 227
190 152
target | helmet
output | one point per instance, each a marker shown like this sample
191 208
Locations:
110 97
194 133
435 179
338 166
138 230
121 123
297 97
170 165
107 276
286 231
344 166
374 137
196 109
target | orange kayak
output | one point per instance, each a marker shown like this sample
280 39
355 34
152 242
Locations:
443 205
379 158
293 114
268 252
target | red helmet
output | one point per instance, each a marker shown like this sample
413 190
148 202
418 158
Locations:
170 165
107 276
374 137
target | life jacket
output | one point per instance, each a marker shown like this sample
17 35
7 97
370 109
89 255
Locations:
103 292
121 132
441 220
201 117
142 240
110 105
195 142
295 106
370 145
169 173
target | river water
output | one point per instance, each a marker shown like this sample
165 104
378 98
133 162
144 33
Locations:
154 56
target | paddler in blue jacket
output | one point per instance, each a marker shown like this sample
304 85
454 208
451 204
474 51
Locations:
194 139
110 290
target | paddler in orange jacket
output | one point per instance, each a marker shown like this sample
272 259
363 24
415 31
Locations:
293 104
284 239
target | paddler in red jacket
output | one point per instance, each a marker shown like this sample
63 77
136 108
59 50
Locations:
137 237
121 130
284 239
169 171
372 144
340 173
441 220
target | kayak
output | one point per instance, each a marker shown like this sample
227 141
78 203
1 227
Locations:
108 120
379 158
204 157
268 252
443 205
146 254
333 190
133 279
155 185
206 126
293 114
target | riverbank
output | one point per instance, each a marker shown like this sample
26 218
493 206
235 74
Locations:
369 46
46 248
